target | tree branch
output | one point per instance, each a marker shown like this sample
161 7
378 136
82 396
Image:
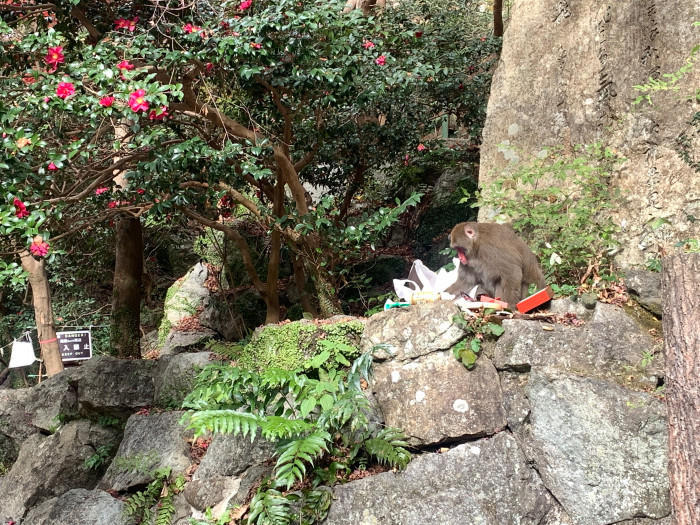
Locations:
237 238
291 178
78 13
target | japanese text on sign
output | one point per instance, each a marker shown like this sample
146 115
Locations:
75 345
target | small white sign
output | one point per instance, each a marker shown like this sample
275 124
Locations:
75 345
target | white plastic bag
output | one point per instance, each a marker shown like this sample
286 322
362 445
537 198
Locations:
423 279
22 354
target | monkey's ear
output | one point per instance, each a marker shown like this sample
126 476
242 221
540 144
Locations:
469 232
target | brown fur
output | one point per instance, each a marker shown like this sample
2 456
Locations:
497 260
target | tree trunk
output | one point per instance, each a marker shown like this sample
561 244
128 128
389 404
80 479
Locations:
43 314
126 290
328 301
300 281
681 327
497 17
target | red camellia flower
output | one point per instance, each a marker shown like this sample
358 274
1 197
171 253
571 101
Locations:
113 204
55 56
419 34
255 45
137 102
52 167
100 191
421 147
209 67
140 191
245 4
39 247
123 23
20 209
154 115
126 65
368 44
189 28
381 60
65 90
106 101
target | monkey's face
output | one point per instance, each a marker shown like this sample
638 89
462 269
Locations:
462 239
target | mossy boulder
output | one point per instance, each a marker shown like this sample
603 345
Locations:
291 345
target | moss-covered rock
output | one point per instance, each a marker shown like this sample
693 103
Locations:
291 345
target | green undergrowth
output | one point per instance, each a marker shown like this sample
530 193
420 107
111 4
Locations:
319 418
296 345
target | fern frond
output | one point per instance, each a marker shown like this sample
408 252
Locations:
315 504
361 369
269 507
277 427
224 422
388 448
350 406
165 511
293 456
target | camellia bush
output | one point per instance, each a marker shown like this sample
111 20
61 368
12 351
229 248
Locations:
218 112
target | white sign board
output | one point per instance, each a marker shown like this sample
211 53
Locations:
75 345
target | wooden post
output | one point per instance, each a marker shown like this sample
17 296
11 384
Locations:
43 313
681 327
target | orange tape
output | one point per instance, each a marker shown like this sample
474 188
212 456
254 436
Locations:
48 341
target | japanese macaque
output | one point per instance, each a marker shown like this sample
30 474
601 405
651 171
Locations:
495 258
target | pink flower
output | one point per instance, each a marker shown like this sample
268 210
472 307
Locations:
20 209
123 23
46 99
245 4
125 65
100 191
368 44
113 204
189 28
421 147
209 67
137 102
154 115
54 56
39 247
65 90
140 191
107 101
381 60
255 45
52 167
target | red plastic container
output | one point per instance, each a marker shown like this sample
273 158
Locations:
535 300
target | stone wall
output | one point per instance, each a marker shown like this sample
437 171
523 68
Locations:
566 77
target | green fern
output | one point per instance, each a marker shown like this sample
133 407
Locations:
349 407
388 448
276 427
315 504
293 456
321 417
222 422
165 510
269 507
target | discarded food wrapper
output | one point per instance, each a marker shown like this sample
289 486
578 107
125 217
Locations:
422 280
